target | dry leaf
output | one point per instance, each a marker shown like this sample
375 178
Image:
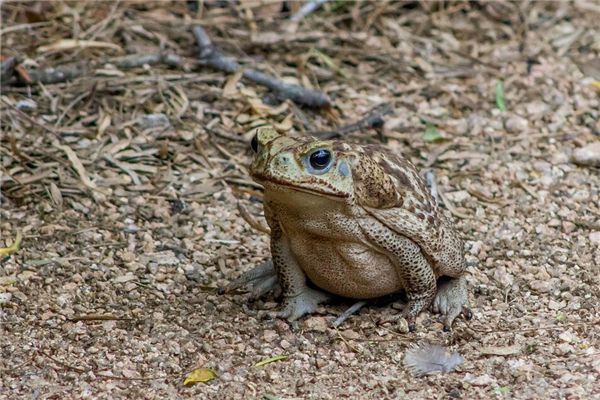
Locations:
251 220
284 125
271 360
159 14
200 375
104 124
182 103
56 195
163 149
69 44
230 88
264 110
226 121
501 351
263 9
109 72
77 165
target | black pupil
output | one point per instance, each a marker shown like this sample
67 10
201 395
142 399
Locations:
254 144
320 159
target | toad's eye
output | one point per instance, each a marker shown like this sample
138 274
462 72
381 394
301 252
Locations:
320 159
254 143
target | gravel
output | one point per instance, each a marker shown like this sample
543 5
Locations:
114 291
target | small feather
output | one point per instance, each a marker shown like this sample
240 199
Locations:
431 358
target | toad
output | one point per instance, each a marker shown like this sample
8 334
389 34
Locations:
355 221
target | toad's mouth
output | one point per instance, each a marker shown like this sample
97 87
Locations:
273 184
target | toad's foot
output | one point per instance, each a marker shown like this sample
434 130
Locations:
451 301
259 281
416 304
295 307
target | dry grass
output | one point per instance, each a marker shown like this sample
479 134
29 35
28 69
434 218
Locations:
126 180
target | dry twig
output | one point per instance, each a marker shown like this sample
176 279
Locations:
373 120
69 72
251 220
346 314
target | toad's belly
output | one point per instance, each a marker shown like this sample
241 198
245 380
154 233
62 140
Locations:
346 269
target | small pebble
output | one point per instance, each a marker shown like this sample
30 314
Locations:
318 324
5 298
516 124
481 380
26 105
588 155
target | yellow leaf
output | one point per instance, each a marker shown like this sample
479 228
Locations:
285 125
271 360
200 375
4 251
264 110
7 281
596 84
230 88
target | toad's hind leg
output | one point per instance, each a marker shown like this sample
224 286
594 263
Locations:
413 269
451 300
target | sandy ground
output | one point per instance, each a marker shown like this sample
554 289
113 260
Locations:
131 221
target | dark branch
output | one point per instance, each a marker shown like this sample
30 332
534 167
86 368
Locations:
138 60
214 58
69 72
373 120
58 74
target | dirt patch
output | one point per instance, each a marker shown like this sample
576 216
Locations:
125 182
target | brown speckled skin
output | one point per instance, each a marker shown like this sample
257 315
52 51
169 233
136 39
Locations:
366 228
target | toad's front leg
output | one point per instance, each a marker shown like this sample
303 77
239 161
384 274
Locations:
413 269
299 299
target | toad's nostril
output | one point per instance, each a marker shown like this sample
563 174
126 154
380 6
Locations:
344 169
